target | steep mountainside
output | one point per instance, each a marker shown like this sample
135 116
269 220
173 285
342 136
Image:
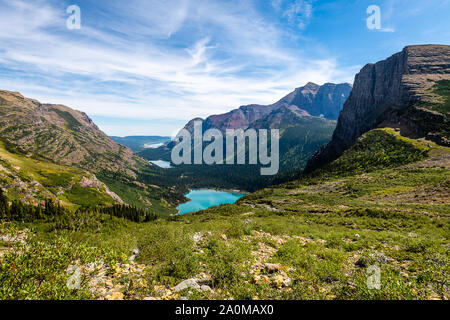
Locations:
59 134
33 181
408 91
63 136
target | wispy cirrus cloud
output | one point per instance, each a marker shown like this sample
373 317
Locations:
387 30
178 59
298 12
172 59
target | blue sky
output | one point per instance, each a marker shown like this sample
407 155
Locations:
141 67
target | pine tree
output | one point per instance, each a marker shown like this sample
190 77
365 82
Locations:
4 206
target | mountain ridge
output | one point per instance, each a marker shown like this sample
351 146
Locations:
305 98
53 133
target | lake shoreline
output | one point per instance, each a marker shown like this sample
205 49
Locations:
234 191
162 164
205 198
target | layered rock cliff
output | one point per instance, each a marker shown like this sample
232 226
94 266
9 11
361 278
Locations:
399 92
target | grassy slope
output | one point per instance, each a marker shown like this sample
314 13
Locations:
148 196
389 207
33 180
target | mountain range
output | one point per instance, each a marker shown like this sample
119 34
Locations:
55 151
310 100
305 118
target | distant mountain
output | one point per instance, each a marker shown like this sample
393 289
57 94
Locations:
320 101
59 135
408 91
139 143
305 119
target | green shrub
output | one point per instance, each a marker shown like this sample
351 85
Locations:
236 229
39 270
170 250
223 260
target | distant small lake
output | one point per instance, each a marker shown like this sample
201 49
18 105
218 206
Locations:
153 146
206 198
162 164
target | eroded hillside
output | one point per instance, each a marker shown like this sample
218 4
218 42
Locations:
39 134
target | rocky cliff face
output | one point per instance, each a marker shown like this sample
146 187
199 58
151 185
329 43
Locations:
397 92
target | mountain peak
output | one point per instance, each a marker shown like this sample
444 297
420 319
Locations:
326 100
311 85
319 101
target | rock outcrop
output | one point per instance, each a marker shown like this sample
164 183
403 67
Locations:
325 101
392 93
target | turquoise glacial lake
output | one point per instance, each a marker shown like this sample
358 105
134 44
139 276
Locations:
204 198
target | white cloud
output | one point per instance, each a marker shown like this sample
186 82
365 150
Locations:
298 12
155 18
131 69
387 30
198 51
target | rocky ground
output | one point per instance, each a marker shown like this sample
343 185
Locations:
107 282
